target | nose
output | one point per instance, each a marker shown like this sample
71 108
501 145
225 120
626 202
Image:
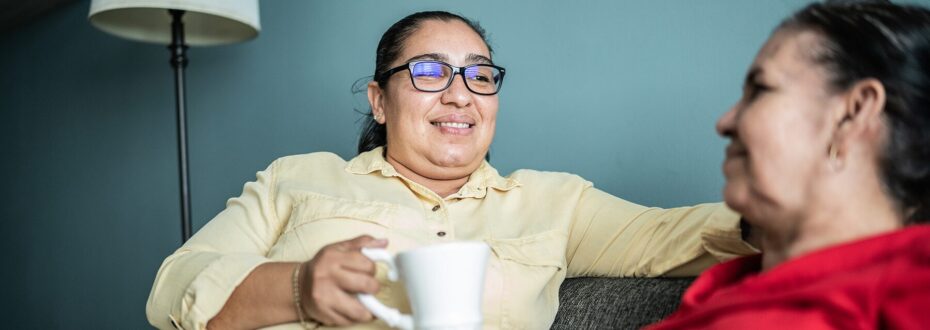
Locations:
726 125
457 94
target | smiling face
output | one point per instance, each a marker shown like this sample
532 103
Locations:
437 135
780 131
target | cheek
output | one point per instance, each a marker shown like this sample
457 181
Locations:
408 110
487 109
782 153
768 144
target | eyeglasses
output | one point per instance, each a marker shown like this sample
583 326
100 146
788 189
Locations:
435 76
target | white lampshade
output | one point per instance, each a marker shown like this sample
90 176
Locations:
206 22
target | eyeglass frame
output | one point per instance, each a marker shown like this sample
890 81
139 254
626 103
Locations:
456 70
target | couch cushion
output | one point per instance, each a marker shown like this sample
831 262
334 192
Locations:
617 303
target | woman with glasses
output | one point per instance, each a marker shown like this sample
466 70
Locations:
830 157
287 251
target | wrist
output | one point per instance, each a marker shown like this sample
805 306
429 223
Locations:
299 285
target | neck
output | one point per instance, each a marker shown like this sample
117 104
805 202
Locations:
842 214
442 187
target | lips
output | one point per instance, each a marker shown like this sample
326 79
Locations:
454 121
735 160
735 149
452 124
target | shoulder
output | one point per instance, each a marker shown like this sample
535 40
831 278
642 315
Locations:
911 246
909 269
908 289
549 180
317 161
322 157
916 246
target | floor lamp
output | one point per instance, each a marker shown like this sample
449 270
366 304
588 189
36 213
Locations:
179 23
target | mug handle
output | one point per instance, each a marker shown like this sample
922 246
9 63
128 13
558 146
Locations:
389 315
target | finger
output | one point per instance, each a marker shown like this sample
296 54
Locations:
356 243
355 282
351 309
358 262
365 241
325 312
330 317
377 243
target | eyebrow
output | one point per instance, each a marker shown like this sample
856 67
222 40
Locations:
429 56
475 58
471 58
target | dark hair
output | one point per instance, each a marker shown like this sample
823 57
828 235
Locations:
890 43
391 45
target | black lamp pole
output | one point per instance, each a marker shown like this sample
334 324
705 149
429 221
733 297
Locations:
179 62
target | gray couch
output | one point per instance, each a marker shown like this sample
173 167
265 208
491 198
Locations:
617 303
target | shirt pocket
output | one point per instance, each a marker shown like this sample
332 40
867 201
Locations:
531 270
317 220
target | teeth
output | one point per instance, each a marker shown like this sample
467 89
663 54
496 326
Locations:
453 125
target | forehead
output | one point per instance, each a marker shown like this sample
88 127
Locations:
790 54
453 39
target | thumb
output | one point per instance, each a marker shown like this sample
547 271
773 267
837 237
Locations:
365 241
377 243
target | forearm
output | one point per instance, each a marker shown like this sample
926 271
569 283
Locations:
264 298
614 237
709 234
192 286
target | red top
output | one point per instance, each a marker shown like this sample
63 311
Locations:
878 282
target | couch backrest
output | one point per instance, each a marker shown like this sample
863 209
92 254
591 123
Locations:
617 303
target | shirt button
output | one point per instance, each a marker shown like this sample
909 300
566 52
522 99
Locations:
436 208
441 234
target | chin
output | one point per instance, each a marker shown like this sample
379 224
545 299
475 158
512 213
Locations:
454 158
457 154
736 197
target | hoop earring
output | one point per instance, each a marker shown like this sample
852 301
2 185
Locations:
834 163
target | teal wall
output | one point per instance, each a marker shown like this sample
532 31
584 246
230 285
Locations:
623 93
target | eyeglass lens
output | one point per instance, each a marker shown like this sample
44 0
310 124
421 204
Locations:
435 76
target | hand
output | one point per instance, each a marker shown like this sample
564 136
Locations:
332 278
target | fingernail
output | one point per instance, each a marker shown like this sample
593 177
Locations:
380 241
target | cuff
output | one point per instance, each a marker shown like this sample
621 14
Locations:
723 237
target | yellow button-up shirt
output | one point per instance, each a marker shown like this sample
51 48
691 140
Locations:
541 226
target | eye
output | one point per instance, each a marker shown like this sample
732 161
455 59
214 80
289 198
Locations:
753 89
483 74
427 70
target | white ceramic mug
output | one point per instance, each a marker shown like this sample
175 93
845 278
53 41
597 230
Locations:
444 284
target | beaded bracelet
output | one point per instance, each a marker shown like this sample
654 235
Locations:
295 284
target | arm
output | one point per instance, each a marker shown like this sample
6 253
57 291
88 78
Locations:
263 298
327 284
222 278
613 237
194 283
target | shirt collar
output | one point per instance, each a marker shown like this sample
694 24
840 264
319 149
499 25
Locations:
483 178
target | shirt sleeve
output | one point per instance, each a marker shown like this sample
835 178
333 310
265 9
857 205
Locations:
613 237
194 283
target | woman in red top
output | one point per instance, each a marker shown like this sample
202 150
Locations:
830 159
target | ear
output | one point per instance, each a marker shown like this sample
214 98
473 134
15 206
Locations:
376 100
862 113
